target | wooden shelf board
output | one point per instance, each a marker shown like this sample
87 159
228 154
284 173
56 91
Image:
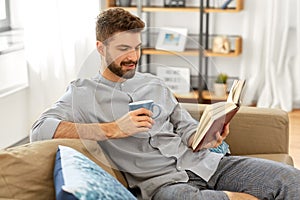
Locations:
191 97
192 94
170 9
162 9
219 10
208 53
209 95
233 53
153 51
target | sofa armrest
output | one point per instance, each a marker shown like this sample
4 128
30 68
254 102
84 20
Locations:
259 131
254 130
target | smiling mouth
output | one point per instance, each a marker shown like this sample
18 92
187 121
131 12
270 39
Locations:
129 65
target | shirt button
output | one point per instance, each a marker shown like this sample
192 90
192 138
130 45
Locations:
152 139
179 168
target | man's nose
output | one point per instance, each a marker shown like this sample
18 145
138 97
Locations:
133 55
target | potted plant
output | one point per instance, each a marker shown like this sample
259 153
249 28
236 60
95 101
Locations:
220 85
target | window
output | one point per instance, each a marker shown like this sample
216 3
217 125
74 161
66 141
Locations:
4 15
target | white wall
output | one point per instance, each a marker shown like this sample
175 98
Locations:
15 113
14 117
21 108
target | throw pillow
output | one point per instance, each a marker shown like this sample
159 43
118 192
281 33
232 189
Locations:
223 148
78 177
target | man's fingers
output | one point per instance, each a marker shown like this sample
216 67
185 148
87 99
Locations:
145 118
225 132
142 111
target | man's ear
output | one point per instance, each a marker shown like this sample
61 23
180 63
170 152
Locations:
100 47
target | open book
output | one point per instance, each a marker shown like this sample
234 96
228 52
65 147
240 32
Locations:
217 115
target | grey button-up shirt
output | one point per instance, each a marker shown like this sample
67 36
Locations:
149 159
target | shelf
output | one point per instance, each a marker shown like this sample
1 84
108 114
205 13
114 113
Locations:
239 7
161 9
169 9
195 52
182 9
191 97
210 96
153 51
112 3
207 97
233 53
209 53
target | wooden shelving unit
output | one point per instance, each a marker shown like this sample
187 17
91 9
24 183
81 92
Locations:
200 94
207 96
195 52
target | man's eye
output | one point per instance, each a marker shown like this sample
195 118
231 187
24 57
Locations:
124 48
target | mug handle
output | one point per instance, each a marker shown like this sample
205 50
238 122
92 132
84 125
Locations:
152 109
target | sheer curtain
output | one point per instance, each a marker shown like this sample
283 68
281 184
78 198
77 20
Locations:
59 36
272 48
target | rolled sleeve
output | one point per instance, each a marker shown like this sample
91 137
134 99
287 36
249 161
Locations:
44 130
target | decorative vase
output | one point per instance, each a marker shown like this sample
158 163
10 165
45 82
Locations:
220 89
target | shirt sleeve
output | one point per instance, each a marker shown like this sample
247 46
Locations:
184 124
45 127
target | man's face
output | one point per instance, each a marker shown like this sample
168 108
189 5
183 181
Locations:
123 53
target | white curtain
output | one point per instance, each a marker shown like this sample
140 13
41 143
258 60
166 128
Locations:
59 36
272 50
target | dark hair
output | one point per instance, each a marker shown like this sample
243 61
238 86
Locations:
116 20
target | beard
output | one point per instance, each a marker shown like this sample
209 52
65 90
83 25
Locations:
117 69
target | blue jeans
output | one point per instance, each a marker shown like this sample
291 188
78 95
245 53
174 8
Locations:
261 178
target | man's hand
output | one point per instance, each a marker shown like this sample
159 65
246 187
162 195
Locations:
221 137
133 122
217 142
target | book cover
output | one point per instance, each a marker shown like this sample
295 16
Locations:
217 115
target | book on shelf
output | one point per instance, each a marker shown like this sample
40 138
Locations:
225 4
217 115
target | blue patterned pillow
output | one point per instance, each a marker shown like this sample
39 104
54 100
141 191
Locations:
77 177
223 148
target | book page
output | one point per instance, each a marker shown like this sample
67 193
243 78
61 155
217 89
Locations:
236 91
214 112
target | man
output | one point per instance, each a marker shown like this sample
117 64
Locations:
155 156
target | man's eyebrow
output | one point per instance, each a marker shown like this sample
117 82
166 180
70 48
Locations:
125 45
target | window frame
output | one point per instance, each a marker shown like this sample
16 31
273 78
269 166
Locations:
5 23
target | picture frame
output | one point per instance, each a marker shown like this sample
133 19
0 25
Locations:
171 39
176 78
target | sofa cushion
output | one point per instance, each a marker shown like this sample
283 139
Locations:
76 175
26 172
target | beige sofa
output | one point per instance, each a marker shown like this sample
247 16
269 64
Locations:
26 172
